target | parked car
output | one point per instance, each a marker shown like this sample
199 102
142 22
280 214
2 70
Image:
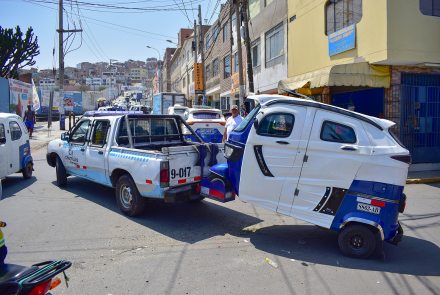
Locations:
141 108
207 122
326 165
15 150
177 109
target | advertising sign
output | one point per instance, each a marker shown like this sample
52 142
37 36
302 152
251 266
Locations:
20 97
342 40
45 100
35 98
235 81
138 95
198 74
68 102
157 104
192 89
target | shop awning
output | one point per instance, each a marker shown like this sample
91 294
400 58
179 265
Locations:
358 74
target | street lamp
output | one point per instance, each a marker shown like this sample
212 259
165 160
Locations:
169 41
160 73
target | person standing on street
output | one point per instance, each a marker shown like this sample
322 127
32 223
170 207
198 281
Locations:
232 122
29 120
3 249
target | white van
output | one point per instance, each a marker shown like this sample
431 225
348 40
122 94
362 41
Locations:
177 109
15 151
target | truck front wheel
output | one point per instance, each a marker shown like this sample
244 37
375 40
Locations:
357 241
27 171
61 172
128 197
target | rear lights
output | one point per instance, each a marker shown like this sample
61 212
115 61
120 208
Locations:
41 289
223 123
190 123
402 203
164 174
402 158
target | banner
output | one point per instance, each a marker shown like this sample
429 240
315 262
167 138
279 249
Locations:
35 98
20 96
45 100
68 101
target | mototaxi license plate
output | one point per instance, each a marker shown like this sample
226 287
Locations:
368 208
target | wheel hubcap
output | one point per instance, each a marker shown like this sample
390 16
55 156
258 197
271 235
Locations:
126 196
357 242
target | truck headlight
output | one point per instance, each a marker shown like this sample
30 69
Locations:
233 152
228 151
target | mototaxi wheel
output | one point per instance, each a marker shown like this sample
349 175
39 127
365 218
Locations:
357 241
61 172
27 170
129 200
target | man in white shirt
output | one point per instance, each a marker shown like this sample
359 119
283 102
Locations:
232 122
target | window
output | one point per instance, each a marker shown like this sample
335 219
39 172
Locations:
236 62
208 72
337 133
15 130
2 134
255 53
79 134
274 46
430 7
225 32
342 13
214 33
227 67
99 134
279 125
215 67
224 103
208 41
254 8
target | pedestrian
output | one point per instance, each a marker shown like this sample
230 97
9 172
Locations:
232 122
29 120
3 249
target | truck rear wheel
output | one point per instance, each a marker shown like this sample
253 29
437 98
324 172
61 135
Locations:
128 197
27 171
357 241
61 172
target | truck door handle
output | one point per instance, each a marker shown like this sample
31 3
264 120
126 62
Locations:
100 152
282 142
348 148
83 149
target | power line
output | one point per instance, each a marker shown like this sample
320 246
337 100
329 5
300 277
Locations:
92 34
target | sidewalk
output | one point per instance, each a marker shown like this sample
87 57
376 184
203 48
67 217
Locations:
40 138
423 176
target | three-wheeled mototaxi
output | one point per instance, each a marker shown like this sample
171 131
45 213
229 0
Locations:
326 165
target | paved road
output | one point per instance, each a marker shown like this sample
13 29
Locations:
202 248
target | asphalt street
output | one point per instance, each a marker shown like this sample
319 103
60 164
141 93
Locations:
206 247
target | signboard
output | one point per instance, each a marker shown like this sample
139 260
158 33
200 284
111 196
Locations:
198 74
129 88
138 95
342 40
157 104
20 97
235 81
35 98
45 101
68 101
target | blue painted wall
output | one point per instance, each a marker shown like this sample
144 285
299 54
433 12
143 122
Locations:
4 95
368 102
77 103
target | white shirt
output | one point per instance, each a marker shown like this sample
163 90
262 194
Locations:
232 123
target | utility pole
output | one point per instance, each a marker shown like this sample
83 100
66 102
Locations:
111 78
240 59
247 39
201 51
61 65
196 57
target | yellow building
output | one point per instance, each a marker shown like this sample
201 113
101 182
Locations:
378 57
72 81
138 75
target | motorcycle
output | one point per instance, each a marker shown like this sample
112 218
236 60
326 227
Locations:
35 280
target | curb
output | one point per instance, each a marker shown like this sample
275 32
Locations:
425 180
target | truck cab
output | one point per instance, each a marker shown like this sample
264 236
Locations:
326 165
15 151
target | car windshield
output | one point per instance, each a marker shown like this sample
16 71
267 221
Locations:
179 111
206 115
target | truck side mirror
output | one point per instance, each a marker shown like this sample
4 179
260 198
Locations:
65 136
256 124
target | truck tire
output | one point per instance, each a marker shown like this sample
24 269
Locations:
61 172
128 197
357 241
27 171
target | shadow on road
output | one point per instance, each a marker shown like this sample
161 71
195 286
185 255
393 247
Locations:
412 256
186 222
15 183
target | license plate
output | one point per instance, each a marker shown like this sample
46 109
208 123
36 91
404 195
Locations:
368 208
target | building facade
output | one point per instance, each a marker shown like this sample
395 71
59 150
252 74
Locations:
380 58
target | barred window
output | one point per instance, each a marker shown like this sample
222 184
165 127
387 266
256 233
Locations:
227 67
342 13
208 41
214 33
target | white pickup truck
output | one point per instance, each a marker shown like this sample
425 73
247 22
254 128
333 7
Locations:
142 156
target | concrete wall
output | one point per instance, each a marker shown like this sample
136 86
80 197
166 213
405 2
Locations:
89 100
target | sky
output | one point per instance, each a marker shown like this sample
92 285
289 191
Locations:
118 34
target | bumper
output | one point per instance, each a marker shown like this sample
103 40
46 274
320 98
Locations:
181 194
398 237
49 160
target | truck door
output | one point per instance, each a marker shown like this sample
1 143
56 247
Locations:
74 151
270 154
96 158
337 148
4 151
14 155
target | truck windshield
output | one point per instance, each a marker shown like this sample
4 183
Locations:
242 126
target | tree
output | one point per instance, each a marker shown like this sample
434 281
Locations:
16 52
82 88
56 89
66 76
102 88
